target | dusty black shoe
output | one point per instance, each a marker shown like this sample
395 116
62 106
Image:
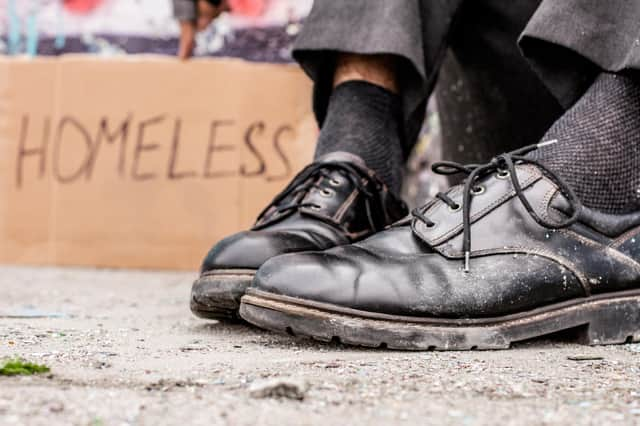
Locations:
509 256
334 201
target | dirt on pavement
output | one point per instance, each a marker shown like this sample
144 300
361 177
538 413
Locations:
124 349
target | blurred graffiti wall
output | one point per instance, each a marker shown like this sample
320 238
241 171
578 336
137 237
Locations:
258 30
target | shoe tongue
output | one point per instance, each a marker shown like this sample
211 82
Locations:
342 157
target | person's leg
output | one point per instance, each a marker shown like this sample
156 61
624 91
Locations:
374 64
597 145
365 116
588 53
489 100
569 43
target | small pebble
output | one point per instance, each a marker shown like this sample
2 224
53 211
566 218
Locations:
585 358
279 388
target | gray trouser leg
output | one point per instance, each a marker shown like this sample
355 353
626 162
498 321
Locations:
490 100
569 42
488 88
369 27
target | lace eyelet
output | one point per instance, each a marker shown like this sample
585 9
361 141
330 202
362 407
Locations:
326 192
431 225
503 174
455 209
477 190
335 182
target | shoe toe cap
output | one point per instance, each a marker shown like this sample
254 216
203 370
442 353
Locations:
326 277
250 249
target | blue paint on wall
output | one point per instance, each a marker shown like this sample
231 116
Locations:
13 37
32 34
61 38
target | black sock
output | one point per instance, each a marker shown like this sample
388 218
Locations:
598 145
365 119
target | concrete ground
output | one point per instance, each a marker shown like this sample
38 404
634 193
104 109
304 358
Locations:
124 349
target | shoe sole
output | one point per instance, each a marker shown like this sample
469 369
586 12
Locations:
600 320
216 294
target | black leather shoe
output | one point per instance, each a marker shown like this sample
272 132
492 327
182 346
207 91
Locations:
334 201
508 256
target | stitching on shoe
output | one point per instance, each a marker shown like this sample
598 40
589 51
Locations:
607 248
570 266
579 237
624 237
546 201
507 196
623 258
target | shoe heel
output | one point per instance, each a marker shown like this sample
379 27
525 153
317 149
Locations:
614 322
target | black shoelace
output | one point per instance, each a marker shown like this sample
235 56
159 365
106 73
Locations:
504 166
308 179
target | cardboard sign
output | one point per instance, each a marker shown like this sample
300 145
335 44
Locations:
142 162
